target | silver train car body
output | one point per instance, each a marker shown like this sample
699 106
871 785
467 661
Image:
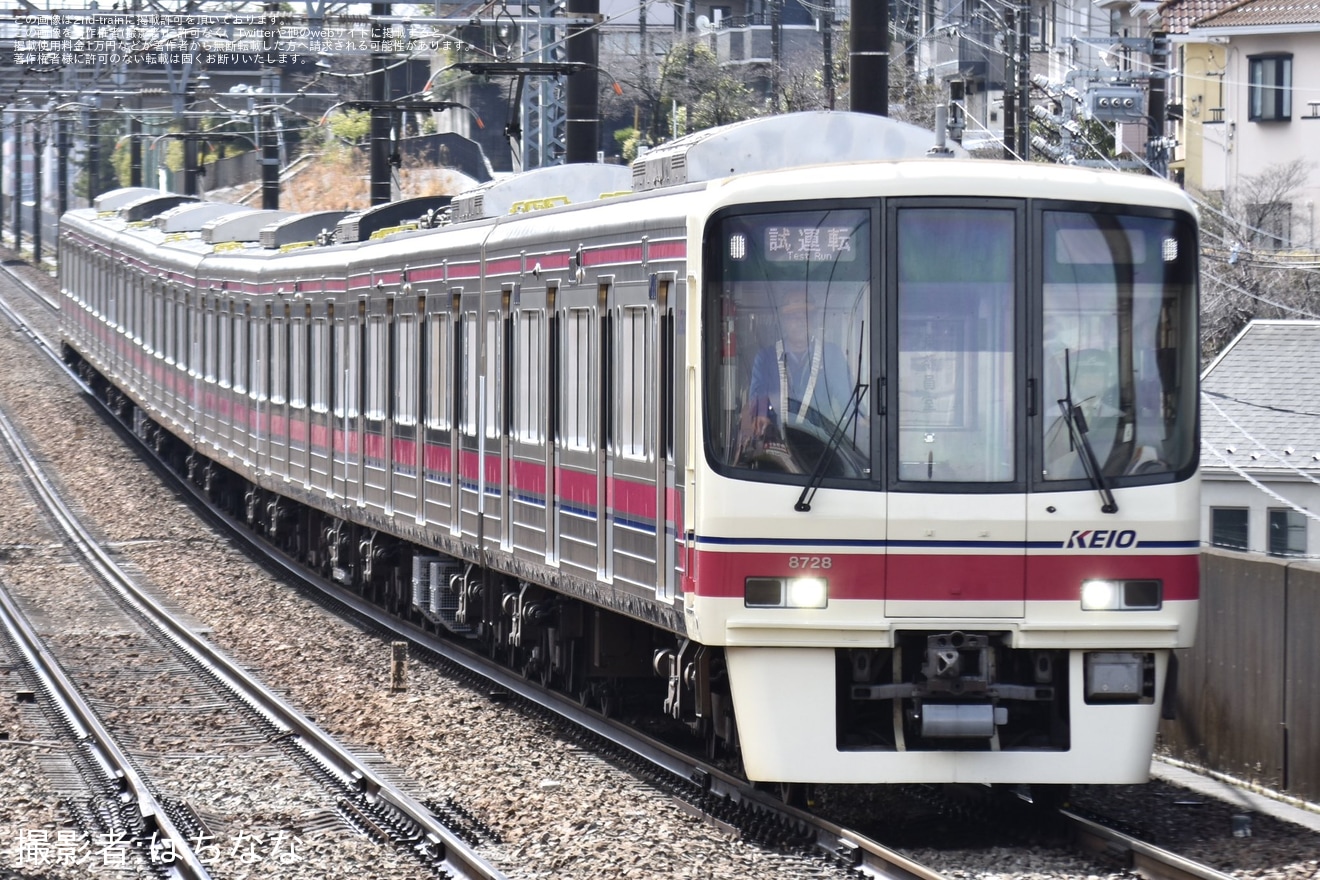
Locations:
569 425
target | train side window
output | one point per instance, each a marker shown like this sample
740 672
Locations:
196 338
240 352
471 370
158 318
494 373
260 358
279 363
439 413
181 333
298 362
377 367
211 344
575 372
405 369
167 327
529 384
224 352
634 381
346 380
320 366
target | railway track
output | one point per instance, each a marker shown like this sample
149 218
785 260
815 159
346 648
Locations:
136 647
706 790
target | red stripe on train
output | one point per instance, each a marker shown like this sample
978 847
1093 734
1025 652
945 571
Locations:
965 577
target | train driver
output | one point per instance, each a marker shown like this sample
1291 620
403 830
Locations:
1094 390
799 379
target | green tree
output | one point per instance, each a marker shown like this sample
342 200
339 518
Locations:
709 93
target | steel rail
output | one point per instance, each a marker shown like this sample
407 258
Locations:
1137 856
114 762
458 857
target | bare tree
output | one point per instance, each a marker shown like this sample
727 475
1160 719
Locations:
1246 270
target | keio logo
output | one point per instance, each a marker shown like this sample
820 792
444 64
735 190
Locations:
1101 539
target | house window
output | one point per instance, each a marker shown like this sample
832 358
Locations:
1287 532
1228 527
1269 97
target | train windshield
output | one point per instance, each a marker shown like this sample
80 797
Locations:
793 318
1026 346
1118 345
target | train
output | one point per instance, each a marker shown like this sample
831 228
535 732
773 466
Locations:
866 463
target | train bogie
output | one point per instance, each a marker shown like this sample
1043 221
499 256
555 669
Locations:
876 471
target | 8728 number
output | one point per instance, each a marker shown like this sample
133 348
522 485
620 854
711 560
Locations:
810 562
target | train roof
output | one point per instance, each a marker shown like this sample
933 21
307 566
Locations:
792 157
791 140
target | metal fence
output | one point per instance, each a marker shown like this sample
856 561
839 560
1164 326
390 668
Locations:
1249 691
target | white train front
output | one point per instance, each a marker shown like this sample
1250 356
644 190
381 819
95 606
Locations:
879 470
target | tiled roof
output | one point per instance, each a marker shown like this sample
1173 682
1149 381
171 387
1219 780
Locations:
1260 401
1263 13
1179 15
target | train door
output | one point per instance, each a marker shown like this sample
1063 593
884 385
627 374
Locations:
663 419
528 498
346 362
277 442
240 412
406 385
180 388
299 426
551 422
194 383
320 429
576 487
259 384
459 326
155 367
479 455
953 365
438 428
502 326
224 373
208 402
376 434
605 403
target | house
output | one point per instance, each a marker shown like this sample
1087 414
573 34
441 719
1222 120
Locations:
1260 441
1250 99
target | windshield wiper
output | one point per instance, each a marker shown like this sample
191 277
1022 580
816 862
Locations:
1072 414
818 473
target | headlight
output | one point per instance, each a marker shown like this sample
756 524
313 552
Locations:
1134 595
798 592
807 592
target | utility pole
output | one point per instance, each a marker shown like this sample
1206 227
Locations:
62 171
1010 83
267 139
189 142
381 116
827 48
868 58
18 181
1023 84
1157 150
38 144
776 51
2 174
93 150
135 148
582 128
